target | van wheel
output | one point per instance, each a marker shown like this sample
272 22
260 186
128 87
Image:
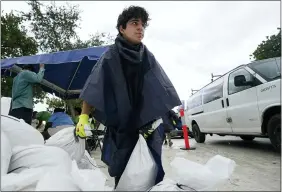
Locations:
198 135
274 131
247 138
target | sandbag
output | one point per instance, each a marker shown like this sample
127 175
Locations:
221 166
65 139
42 179
56 181
6 153
88 179
19 132
107 188
141 170
39 156
202 177
77 180
23 181
87 162
54 178
5 105
170 185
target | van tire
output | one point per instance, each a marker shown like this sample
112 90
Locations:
247 137
198 135
274 131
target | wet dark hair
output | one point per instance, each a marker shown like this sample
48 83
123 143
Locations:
132 12
29 67
56 110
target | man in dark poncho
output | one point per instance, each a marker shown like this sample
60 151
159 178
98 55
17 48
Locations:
129 92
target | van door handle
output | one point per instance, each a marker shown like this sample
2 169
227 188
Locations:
222 103
227 102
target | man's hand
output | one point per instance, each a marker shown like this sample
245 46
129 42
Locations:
83 120
41 66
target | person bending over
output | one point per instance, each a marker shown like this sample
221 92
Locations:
58 121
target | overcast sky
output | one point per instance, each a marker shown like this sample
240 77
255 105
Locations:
190 40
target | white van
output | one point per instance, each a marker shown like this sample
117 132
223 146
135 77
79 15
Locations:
244 102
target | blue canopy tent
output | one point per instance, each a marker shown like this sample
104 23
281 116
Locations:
66 71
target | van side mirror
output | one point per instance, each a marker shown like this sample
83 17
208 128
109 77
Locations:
240 80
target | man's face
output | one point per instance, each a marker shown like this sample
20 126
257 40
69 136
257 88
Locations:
134 31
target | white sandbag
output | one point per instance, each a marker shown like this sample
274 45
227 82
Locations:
6 153
170 185
39 156
5 105
20 133
77 180
88 179
87 162
24 181
107 188
65 139
221 166
141 170
56 181
202 177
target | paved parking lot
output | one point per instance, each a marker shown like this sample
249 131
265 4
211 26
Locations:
258 166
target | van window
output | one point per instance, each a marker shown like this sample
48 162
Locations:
269 70
231 86
195 101
213 91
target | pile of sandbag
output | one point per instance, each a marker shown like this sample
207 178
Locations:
141 171
62 164
27 164
192 176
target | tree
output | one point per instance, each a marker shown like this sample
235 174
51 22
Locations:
14 39
269 48
55 30
54 27
95 40
54 103
14 43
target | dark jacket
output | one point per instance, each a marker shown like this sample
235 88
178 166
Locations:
106 90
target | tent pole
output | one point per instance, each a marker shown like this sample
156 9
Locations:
74 75
68 101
